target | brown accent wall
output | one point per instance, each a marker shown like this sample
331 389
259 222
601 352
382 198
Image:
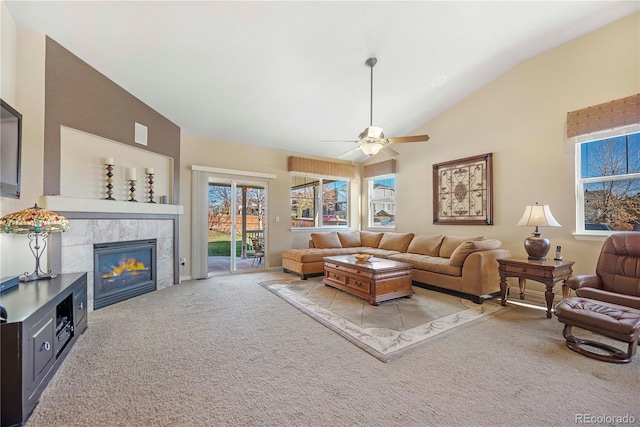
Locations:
80 97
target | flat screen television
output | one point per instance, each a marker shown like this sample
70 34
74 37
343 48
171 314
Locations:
10 150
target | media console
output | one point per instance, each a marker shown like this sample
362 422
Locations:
44 320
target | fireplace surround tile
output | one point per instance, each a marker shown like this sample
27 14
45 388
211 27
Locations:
77 245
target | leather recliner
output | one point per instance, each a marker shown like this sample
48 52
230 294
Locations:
617 278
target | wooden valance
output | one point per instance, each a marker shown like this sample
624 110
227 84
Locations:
609 115
387 167
320 167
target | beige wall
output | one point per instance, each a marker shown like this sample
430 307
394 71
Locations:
202 152
520 117
23 87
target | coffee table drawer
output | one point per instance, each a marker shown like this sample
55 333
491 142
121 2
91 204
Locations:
359 284
348 269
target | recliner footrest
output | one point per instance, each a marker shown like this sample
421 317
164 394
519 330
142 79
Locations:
614 321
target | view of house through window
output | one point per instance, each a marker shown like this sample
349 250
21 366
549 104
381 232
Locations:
382 205
319 202
609 184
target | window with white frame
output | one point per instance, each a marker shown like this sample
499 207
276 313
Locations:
319 201
382 204
608 183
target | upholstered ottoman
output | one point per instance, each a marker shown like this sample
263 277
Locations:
614 321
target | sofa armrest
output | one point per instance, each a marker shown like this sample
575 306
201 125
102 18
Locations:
584 281
480 271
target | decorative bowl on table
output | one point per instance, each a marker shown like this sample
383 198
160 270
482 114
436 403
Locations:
362 257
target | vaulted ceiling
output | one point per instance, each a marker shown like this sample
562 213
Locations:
288 74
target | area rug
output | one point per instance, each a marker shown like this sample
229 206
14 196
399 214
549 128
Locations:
389 330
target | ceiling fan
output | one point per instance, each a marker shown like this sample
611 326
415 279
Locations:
372 139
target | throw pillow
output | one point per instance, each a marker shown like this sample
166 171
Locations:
467 248
326 240
350 239
396 241
370 239
425 245
449 244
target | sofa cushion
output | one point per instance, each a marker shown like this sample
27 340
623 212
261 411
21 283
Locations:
429 263
449 244
425 245
396 241
326 240
377 252
314 255
350 239
468 247
370 239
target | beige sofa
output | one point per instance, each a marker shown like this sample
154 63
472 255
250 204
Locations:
464 265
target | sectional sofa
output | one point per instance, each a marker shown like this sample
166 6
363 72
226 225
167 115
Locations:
463 265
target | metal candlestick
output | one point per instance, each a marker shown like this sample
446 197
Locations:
132 190
150 177
109 182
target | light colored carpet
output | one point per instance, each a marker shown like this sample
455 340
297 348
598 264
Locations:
227 352
386 331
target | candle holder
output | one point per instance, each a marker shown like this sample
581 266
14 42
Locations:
132 190
150 179
109 181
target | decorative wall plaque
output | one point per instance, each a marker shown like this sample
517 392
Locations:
462 191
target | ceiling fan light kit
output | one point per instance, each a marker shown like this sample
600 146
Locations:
372 139
371 148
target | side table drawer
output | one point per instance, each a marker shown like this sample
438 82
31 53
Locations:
530 270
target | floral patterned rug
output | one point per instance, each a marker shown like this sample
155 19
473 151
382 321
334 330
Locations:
389 330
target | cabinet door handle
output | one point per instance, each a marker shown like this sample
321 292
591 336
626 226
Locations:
337 276
46 346
81 306
359 284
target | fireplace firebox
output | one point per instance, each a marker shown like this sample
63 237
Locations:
123 270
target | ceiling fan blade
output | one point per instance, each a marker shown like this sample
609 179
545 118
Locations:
415 138
349 153
324 141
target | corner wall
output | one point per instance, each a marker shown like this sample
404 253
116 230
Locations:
520 117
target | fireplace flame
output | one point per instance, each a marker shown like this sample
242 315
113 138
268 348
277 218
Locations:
126 264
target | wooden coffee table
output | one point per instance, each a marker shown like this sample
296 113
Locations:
375 280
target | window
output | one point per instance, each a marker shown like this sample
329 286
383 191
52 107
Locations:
319 202
382 205
608 184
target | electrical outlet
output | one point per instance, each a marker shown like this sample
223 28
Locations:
183 261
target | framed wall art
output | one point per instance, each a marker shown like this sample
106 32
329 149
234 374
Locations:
463 191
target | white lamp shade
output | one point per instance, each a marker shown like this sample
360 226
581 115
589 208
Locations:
370 148
539 216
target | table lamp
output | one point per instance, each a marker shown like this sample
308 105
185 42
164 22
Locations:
539 216
37 223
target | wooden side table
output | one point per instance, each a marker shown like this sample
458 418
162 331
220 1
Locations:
545 271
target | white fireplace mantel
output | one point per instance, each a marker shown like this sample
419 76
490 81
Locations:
71 204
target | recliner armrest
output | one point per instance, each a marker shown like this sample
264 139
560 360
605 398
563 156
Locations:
584 281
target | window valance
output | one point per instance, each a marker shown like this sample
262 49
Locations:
320 167
387 167
609 115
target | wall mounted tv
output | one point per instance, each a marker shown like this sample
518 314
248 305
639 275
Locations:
10 150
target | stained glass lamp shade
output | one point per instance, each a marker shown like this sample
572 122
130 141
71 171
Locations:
37 223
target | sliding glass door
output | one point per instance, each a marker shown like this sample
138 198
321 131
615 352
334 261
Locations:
236 225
